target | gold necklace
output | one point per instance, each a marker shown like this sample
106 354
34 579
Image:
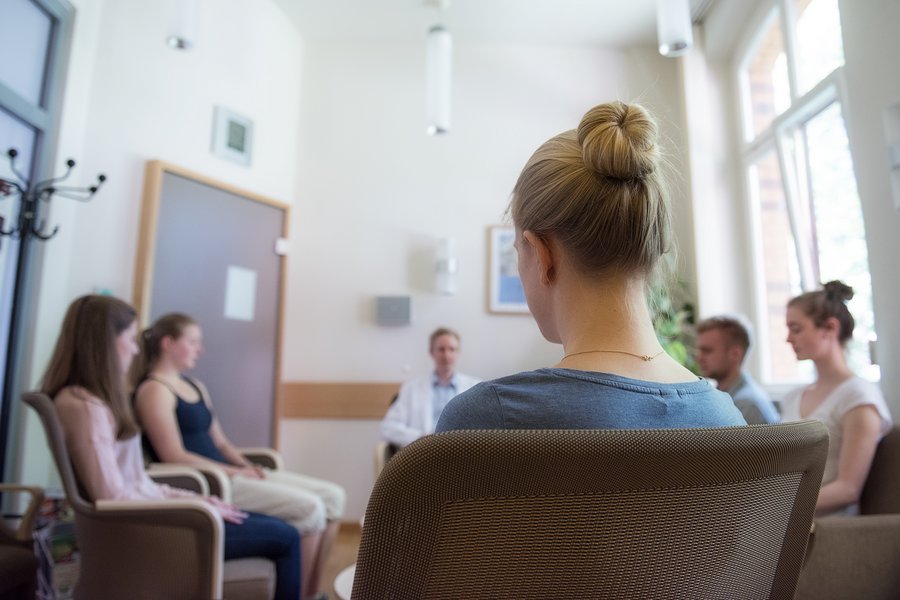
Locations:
644 357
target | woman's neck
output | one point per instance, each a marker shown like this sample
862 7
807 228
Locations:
164 370
832 369
607 315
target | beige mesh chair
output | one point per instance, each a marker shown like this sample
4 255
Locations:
151 549
691 513
859 556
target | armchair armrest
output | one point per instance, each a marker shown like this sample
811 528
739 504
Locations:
852 557
218 480
26 525
173 548
215 482
265 457
180 476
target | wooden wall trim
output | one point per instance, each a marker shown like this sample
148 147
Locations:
335 400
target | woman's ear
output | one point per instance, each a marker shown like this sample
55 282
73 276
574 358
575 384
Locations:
165 343
832 325
543 252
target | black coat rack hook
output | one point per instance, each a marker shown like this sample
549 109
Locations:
32 193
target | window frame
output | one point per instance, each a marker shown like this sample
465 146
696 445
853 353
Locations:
753 147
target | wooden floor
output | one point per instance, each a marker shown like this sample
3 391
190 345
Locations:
342 555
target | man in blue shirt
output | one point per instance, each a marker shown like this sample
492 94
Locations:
722 345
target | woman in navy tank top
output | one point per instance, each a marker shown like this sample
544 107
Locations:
180 426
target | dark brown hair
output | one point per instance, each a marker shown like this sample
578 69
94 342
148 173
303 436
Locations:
169 325
599 192
831 301
85 356
734 330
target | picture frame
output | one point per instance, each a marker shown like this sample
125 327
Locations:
232 136
505 292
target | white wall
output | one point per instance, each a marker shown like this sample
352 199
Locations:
721 232
376 193
129 99
722 238
340 134
871 48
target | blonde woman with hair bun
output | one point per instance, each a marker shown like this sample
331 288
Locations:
592 221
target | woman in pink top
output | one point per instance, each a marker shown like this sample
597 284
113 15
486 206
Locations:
819 327
86 379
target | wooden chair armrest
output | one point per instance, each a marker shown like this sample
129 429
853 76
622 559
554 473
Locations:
265 457
215 481
180 476
218 480
26 524
138 508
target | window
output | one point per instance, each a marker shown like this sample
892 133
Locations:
807 218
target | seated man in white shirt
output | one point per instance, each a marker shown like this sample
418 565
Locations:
722 345
422 399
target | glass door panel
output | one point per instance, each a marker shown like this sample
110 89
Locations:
26 38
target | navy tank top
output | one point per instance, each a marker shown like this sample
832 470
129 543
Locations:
194 421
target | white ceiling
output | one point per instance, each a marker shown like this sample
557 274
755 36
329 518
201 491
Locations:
591 22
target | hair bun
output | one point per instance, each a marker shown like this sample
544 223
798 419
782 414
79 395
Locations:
618 141
838 290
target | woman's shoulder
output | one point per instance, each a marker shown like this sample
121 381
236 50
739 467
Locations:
857 391
479 406
525 378
77 397
77 403
153 392
858 385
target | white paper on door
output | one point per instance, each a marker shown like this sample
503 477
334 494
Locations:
240 293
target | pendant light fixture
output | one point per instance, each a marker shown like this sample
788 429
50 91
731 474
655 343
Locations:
673 27
438 77
182 34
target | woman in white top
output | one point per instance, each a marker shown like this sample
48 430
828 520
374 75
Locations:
819 326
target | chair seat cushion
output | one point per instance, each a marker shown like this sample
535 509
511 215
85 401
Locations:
248 578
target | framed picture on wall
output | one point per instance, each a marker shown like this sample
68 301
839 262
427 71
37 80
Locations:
232 136
505 293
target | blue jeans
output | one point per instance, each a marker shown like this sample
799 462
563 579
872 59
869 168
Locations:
272 538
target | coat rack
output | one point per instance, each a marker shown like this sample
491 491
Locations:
31 194
28 227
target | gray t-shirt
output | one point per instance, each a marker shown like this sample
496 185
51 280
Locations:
752 401
570 399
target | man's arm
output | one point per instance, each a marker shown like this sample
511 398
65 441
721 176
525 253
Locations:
396 427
